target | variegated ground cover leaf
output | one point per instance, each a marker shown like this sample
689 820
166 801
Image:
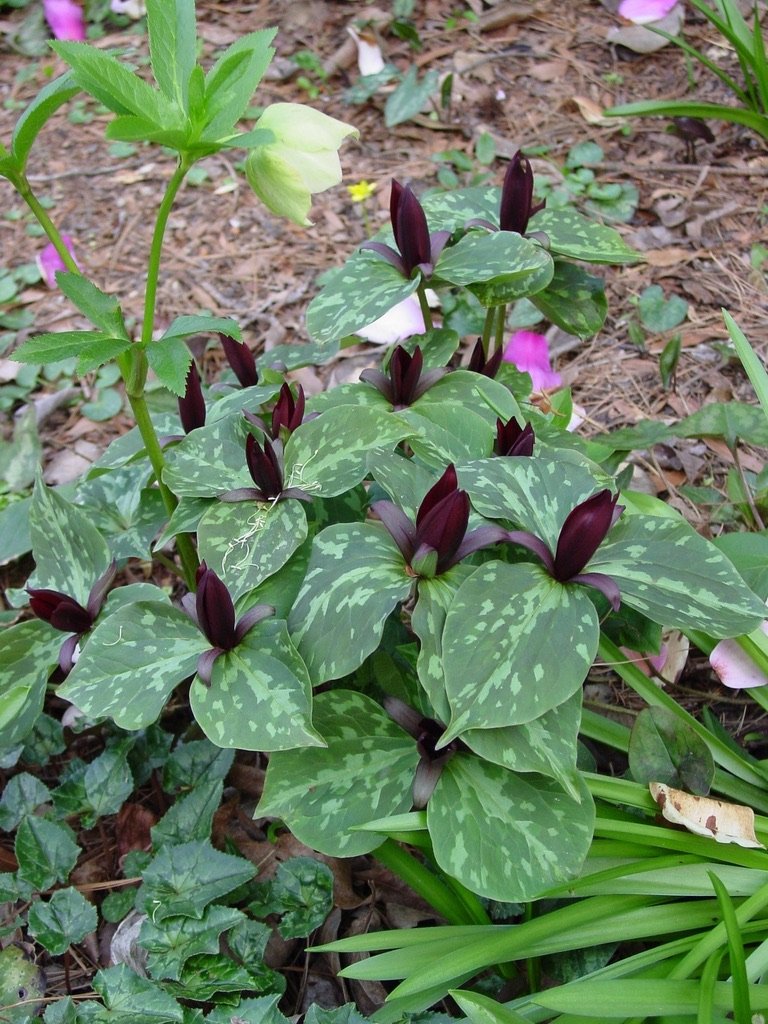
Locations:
185 519
574 300
356 577
232 405
70 553
505 836
209 460
577 238
361 291
676 577
451 210
132 661
28 654
365 773
516 643
259 696
405 480
497 267
245 542
127 510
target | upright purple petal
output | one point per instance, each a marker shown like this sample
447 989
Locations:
66 19
192 403
447 484
516 195
512 439
215 610
443 528
412 232
478 362
241 359
583 532
264 466
60 610
288 411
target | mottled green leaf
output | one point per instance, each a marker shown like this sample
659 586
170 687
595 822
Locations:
250 1011
664 749
195 762
575 237
173 940
182 880
574 300
658 313
259 697
20 980
505 836
245 542
209 460
302 892
364 773
65 918
28 653
451 210
191 817
410 96
108 780
21 796
733 421
500 667
749 553
356 577
132 661
131 999
46 852
205 975
232 404
498 267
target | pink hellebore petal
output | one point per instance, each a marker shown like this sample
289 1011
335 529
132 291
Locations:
642 12
401 322
734 667
529 352
49 261
66 19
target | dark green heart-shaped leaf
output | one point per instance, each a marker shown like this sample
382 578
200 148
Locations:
365 772
131 999
191 817
498 267
574 300
67 917
46 852
733 421
664 749
171 942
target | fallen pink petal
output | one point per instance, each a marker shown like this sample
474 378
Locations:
66 19
529 352
642 12
401 322
734 667
49 261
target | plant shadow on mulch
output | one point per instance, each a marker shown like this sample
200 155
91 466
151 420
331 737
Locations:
529 74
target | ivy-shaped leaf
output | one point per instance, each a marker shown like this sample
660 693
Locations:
173 940
67 917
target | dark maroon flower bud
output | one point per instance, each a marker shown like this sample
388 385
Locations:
265 467
418 249
241 359
441 529
517 196
405 380
192 404
214 608
512 439
583 532
60 610
478 362
288 412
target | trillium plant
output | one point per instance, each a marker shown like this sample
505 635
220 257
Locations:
394 589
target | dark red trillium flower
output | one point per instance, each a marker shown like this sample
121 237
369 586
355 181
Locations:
405 380
287 414
265 464
512 439
582 533
517 196
192 403
479 363
213 612
65 613
417 249
241 359
426 732
439 539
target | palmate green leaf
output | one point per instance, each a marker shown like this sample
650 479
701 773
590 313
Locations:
365 773
51 347
70 553
182 880
131 999
356 577
575 237
497 267
232 81
184 326
67 917
505 836
670 573
245 542
28 654
500 667
132 661
46 852
574 300
43 106
170 359
172 47
174 940
361 291
328 455
209 460
259 697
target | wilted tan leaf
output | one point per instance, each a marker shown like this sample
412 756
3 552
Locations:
593 113
715 819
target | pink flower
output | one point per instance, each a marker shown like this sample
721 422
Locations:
65 18
641 12
529 352
49 261
734 667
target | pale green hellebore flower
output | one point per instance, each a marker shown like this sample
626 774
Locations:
302 160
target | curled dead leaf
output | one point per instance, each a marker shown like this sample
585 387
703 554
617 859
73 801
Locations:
593 113
704 816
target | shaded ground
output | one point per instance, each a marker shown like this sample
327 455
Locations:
531 74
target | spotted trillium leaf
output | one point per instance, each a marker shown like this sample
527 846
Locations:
497 267
209 460
246 542
231 405
577 238
259 697
365 773
355 579
28 655
501 668
506 836
574 300
132 661
451 210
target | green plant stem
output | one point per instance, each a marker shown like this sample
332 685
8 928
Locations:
426 312
156 249
41 215
424 882
490 316
758 520
501 319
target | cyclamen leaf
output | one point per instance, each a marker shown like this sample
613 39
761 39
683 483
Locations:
65 919
250 1011
46 852
207 974
21 795
175 939
195 762
410 97
302 892
108 781
172 47
191 817
131 999
37 114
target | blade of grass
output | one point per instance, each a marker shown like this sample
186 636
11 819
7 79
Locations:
749 358
742 1013
684 108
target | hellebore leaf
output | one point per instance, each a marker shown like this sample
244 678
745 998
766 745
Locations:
51 347
504 836
170 358
184 326
172 47
246 542
365 773
500 668
101 309
232 81
132 661
574 300
35 116
575 237
497 267
356 577
259 697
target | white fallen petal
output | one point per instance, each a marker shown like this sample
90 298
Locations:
734 667
369 57
401 322
641 39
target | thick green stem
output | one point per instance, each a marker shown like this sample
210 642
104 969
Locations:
501 319
45 222
490 317
156 249
426 312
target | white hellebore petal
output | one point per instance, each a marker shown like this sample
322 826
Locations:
302 160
